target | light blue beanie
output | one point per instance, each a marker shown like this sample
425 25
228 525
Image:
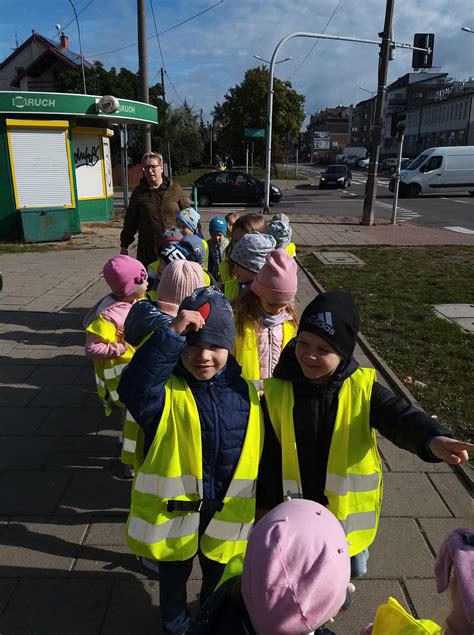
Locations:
189 217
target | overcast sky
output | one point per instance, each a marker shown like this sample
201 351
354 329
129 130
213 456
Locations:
211 52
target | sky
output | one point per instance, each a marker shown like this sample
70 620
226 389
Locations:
210 52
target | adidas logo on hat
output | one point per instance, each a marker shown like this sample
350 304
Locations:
322 321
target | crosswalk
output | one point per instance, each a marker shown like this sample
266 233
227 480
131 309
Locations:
402 213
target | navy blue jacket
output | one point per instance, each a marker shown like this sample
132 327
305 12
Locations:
143 318
222 402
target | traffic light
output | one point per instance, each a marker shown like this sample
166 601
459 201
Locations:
421 59
397 124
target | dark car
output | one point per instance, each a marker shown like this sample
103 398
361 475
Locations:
233 187
335 176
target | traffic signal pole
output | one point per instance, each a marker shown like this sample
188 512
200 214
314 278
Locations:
370 199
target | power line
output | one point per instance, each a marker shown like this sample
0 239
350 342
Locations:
161 53
128 46
312 48
73 20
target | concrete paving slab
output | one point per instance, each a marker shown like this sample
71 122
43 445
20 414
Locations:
108 561
106 445
38 547
106 530
144 597
79 607
71 396
436 529
400 460
20 421
78 461
86 377
455 310
25 451
412 494
17 374
7 588
457 498
17 394
54 375
399 551
28 493
96 492
72 421
427 602
368 596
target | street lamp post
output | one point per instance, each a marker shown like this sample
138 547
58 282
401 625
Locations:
467 29
80 48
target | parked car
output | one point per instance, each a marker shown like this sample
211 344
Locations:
336 176
363 163
351 160
233 187
403 165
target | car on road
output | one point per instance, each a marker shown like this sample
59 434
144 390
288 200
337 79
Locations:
233 187
363 163
336 176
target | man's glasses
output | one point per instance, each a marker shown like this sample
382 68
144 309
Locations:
151 168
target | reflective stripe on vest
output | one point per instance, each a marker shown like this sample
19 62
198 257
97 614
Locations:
108 371
246 348
354 472
291 249
205 264
231 289
172 469
131 431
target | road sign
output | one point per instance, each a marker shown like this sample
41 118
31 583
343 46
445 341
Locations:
254 133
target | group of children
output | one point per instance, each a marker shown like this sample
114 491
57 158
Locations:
235 405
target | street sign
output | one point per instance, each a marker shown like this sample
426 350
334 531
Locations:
254 133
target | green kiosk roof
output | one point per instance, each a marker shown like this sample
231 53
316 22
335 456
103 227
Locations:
70 104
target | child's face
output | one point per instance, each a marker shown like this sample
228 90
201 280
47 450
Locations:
217 237
184 229
317 359
230 225
204 360
272 308
243 275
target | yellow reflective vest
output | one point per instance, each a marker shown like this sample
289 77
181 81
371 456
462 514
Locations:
291 249
231 289
225 271
172 470
107 377
205 264
391 618
246 348
354 471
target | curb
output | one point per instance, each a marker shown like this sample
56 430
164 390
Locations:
463 472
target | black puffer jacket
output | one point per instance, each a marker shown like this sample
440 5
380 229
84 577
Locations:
314 415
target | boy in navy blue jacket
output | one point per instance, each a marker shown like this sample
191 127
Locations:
203 429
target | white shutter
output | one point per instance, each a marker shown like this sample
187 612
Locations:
88 165
41 165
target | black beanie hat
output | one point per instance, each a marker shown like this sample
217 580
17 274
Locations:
334 317
219 328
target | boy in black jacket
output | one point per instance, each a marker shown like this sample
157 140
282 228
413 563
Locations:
321 413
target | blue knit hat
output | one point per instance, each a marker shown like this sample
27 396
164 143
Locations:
219 328
189 217
193 247
218 224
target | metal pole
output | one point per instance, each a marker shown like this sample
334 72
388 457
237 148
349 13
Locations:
163 83
397 178
370 200
251 156
271 70
296 164
143 69
80 48
124 161
170 169
247 159
211 131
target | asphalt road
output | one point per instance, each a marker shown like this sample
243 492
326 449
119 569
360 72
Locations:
454 211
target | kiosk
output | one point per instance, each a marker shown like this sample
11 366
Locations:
55 161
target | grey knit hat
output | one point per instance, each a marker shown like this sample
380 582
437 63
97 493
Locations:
281 232
252 249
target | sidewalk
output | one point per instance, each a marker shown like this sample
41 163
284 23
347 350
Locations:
64 566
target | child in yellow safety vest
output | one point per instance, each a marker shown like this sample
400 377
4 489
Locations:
322 412
217 245
247 258
170 237
282 232
105 343
457 554
265 317
188 221
294 578
195 490
240 226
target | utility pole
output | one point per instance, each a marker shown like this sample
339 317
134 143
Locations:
163 84
143 69
384 56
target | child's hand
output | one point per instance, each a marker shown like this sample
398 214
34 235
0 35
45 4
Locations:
451 451
187 321
119 336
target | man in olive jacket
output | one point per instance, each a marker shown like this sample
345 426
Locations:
153 206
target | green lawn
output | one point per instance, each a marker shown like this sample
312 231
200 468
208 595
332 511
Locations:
395 291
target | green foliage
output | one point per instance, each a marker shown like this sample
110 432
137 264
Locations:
245 106
181 130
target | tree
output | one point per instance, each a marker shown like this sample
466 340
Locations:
181 130
245 106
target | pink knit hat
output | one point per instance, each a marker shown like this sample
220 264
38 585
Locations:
457 553
178 281
124 275
276 281
296 569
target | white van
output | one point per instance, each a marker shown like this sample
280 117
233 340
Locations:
438 171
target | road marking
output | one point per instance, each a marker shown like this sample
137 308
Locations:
456 200
460 230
